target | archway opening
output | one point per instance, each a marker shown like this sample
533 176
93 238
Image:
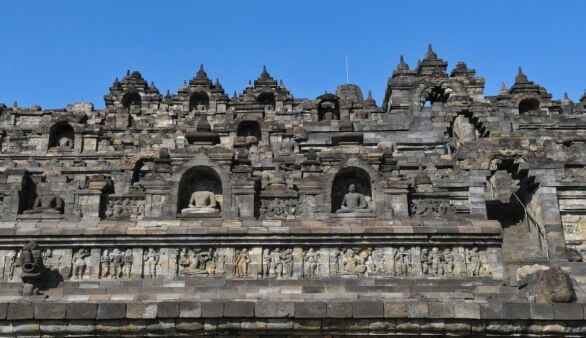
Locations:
131 100
199 101
342 182
61 136
528 106
196 179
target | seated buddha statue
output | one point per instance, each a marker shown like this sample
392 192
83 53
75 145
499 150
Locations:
201 202
46 204
353 202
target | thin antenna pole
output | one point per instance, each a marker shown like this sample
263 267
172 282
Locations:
347 75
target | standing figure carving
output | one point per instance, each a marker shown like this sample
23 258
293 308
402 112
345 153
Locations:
242 261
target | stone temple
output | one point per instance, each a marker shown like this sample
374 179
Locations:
439 211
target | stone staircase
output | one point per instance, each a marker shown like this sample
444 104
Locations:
520 245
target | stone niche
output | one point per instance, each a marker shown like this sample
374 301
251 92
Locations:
61 137
352 192
200 193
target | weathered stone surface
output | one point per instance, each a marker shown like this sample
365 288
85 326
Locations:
50 310
239 309
19 311
111 311
82 310
551 285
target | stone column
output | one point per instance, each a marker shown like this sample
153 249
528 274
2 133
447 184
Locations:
244 196
395 203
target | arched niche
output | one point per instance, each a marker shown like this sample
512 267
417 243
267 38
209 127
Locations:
346 177
61 136
199 100
267 100
433 95
249 128
529 105
199 178
131 99
328 109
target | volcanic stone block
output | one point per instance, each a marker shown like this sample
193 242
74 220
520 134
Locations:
17 311
441 310
82 310
212 309
565 311
265 309
541 311
190 309
3 310
141 310
339 310
50 310
367 309
394 310
167 310
239 309
467 310
111 311
516 310
310 310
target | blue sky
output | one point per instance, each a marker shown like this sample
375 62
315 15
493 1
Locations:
59 52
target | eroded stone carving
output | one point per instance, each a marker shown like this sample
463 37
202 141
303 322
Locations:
46 204
201 202
32 268
354 202
431 207
241 262
151 263
79 263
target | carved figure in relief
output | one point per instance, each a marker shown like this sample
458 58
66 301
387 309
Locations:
79 263
435 260
266 262
424 261
184 260
402 262
242 261
276 267
32 268
151 260
105 263
128 260
201 202
448 262
310 263
473 261
288 146
353 201
117 259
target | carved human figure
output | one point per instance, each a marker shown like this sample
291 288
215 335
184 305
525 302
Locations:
276 267
287 261
65 142
46 204
242 262
329 115
202 202
288 146
105 263
151 260
401 262
353 201
266 262
424 261
79 263
127 266
117 263
435 260
310 263
370 264
348 261
448 265
183 260
473 261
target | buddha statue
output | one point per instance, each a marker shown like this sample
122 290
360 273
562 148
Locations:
288 146
353 202
46 204
65 143
201 202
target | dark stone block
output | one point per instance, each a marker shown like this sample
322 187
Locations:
168 310
491 311
238 309
564 311
367 309
541 311
441 310
339 310
190 309
111 311
395 310
310 310
212 309
18 311
264 309
50 310
516 311
82 310
3 310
